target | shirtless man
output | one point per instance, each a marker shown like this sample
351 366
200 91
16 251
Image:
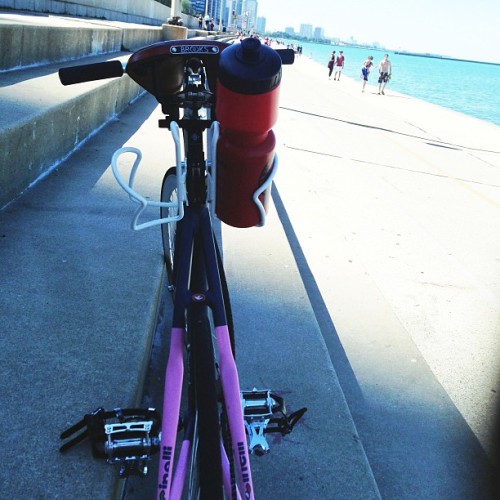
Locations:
384 71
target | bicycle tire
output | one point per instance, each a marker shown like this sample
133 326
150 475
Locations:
168 230
207 408
205 386
227 300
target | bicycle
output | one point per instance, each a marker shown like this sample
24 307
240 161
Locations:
221 424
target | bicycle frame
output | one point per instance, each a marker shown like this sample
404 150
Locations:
196 229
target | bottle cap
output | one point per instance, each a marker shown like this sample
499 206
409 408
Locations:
250 67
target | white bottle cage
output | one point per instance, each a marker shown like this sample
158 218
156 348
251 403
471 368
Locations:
266 189
178 205
213 138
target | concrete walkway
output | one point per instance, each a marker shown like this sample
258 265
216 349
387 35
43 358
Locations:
78 304
392 206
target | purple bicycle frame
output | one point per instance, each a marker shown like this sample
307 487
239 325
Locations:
172 473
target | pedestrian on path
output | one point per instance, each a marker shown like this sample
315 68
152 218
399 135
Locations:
339 66
384 73
365 71
331 65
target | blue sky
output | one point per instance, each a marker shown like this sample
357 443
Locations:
457 28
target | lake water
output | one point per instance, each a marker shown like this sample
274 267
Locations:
468 87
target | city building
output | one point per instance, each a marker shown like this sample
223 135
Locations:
260 26
319 33
249 15
198 6
306 30
237 6
213 9
241 14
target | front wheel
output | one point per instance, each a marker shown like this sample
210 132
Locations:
168 230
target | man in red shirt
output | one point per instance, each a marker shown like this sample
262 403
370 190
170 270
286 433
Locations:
339 66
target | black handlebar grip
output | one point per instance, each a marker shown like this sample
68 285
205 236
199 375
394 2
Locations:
287 55
90 72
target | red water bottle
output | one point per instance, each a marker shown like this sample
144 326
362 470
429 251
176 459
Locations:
247 108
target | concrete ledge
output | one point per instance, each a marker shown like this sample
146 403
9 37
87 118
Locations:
135 38
172 32
36 138
133 11
40 121
279 346
26 44
30 45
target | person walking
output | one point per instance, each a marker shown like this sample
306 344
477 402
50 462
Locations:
365 71
384 73
331 65
339 66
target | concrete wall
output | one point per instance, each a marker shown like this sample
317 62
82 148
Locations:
30 149
132 11
31 45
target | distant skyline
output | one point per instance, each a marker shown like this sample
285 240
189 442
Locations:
455 28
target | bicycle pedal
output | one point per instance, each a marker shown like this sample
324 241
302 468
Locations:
126 437
257 411
258 403
265 412
130 445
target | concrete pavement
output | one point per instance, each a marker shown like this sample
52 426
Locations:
79 303
394 208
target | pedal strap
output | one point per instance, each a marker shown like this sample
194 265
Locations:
285 423
291 420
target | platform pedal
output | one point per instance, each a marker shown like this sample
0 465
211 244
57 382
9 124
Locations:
264 413
123 436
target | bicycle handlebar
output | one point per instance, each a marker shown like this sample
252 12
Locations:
111 69
90 72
